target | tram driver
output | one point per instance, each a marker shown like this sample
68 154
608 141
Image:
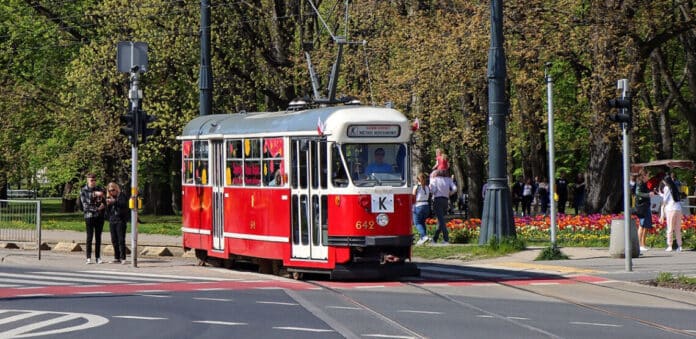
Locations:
378 166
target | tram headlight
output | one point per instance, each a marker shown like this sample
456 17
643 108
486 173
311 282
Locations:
382 219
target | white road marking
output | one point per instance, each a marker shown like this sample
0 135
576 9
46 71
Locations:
213 322
211 289
484 316
30 330
344 308
33 295
594 324
7 285
373 286
690 331
151 291
32 282
305 329
138 317
94 292
91 275
387 336
213 299
517 318
17 317
277 303
268 288
420 312
544 283
155 295
178 277
42 277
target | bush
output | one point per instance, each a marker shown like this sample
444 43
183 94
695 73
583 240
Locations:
551 253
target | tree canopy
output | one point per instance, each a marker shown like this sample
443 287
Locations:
62 95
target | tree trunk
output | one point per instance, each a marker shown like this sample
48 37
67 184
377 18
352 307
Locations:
68 203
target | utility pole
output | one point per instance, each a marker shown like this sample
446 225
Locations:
497 220
131 57
552 155
625 118
206 72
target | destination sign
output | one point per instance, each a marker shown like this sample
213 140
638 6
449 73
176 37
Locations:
374 131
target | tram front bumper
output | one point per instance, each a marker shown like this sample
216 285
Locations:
377 240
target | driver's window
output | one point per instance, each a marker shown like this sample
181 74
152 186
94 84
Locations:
339 177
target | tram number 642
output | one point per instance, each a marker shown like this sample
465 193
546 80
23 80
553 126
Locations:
365 225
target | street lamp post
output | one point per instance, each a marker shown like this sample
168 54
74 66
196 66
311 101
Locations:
497 221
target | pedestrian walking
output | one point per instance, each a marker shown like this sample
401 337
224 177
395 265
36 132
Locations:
671 212
421 207
441 187
93 205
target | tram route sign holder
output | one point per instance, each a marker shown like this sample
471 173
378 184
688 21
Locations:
131 57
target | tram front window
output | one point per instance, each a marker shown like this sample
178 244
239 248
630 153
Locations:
376 164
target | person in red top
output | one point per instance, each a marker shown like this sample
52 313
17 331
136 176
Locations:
441 161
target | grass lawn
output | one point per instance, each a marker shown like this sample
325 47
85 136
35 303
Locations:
53 219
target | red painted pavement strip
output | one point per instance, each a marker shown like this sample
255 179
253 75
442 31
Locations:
291 285
166 287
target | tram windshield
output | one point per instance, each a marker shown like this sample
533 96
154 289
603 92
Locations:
376 164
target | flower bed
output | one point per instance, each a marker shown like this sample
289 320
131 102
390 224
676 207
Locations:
580 230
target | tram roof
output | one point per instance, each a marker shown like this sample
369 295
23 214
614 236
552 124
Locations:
302 122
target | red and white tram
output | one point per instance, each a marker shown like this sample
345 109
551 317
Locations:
315 190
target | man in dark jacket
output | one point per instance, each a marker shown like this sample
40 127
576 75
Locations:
93 205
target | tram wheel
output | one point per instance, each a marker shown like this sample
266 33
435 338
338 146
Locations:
297 275
202 256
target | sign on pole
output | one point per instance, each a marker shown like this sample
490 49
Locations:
131 54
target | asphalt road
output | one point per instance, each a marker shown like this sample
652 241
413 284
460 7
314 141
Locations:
174 298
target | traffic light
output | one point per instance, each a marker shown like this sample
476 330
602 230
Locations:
144 119
130 126
624 115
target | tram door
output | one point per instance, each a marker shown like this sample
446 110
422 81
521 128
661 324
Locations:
309 200
217 180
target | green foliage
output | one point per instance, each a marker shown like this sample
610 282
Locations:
551 253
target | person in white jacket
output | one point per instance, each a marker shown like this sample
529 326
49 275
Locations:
671 211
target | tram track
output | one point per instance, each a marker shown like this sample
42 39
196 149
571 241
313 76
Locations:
592 307
409 332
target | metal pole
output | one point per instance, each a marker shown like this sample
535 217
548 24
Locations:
206 72
134 96
38 224
497 220
623 86
552 156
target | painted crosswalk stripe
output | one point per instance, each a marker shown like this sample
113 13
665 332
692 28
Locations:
344 308
90 275
32 282
18 317
387 336
178 277
42 277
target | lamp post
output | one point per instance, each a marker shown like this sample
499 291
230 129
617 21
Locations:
497 220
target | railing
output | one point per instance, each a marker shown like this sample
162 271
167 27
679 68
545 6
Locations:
20 220
21 194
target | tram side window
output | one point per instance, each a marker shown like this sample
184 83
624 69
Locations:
195 162
234 174
187 162
273 166
252 162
